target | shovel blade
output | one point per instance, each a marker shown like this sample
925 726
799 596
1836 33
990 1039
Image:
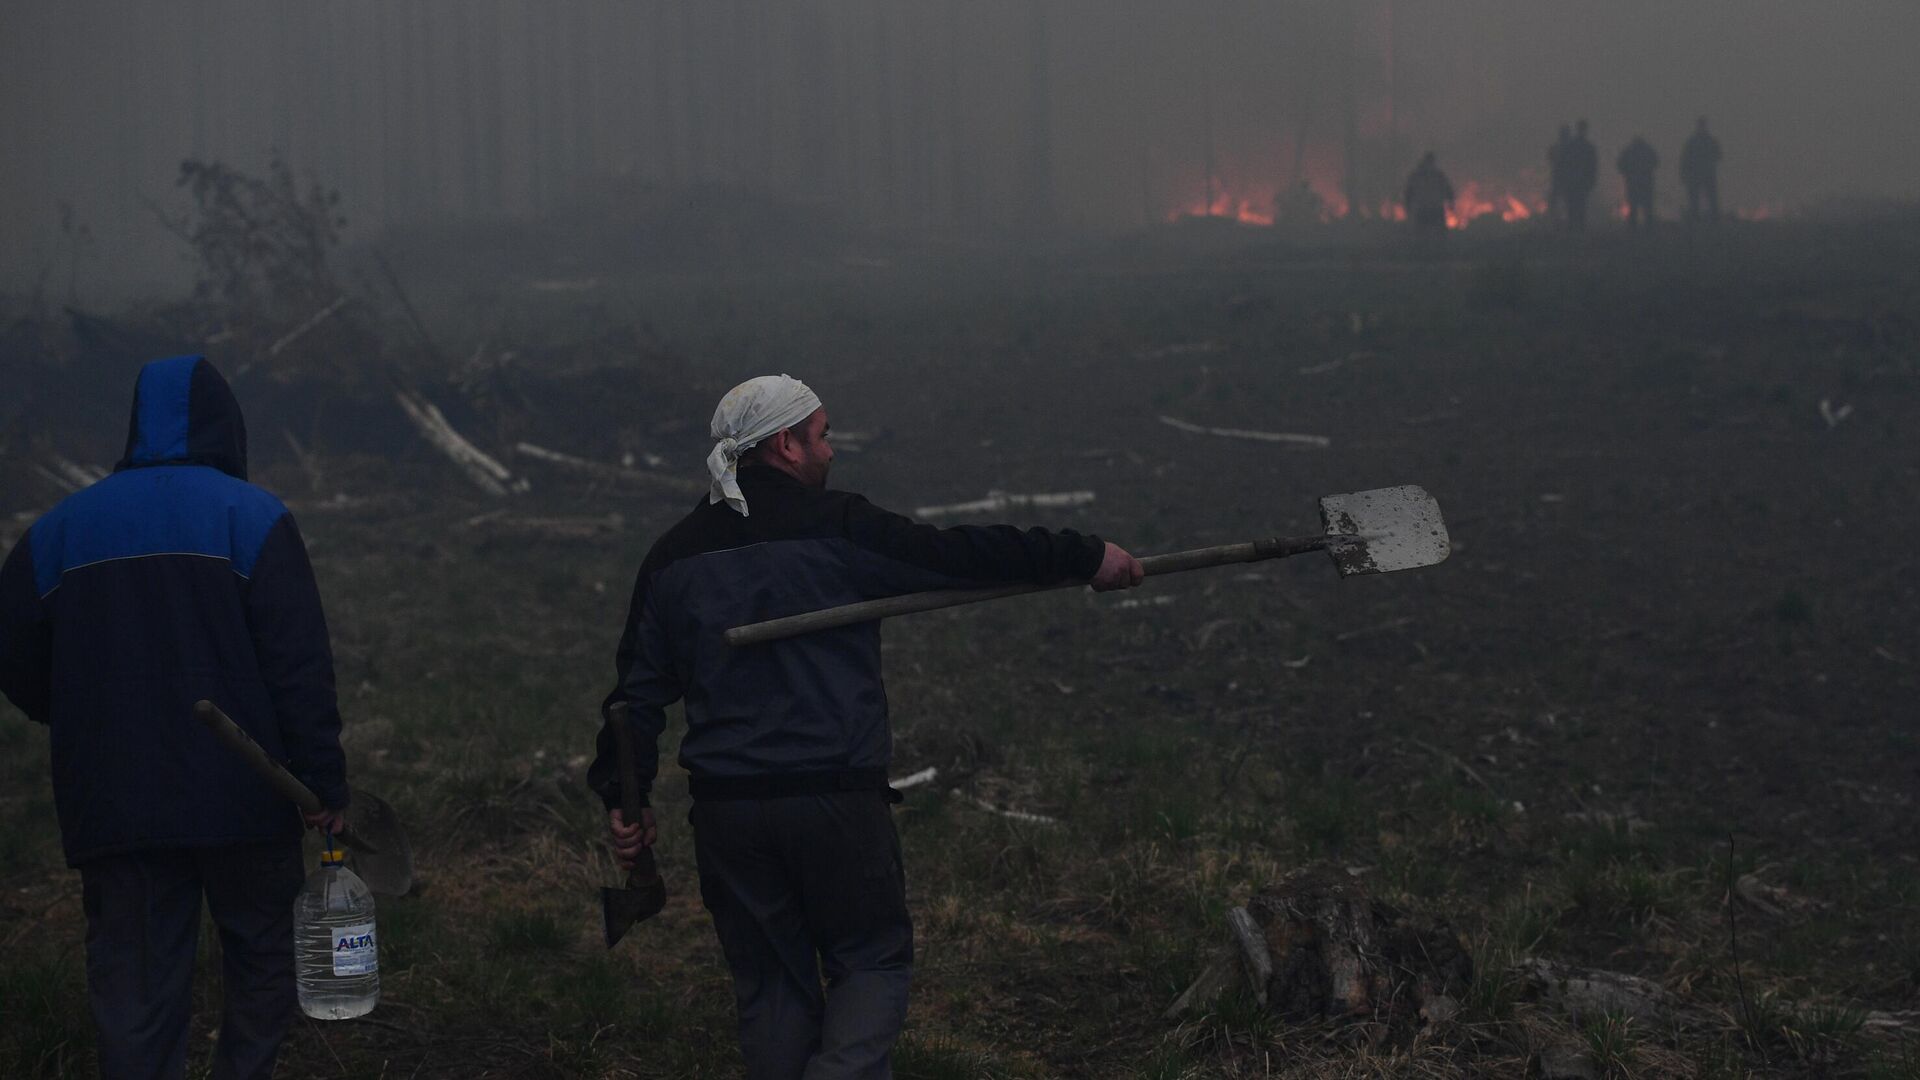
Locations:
621 908
377 845
1396 528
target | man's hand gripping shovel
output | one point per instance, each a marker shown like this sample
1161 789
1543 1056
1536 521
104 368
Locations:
382 855
644 893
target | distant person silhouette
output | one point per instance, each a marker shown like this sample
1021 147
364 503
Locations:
1700 173
1582 171
1637 164
1299 205
1557 162
1428 195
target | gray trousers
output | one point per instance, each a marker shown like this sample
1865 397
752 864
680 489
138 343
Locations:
143 929
804 889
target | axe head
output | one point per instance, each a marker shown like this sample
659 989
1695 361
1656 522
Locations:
641 898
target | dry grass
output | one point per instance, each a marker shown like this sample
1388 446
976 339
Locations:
1467 760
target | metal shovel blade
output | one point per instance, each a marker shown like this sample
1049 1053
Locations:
642 898
382 856
1395 528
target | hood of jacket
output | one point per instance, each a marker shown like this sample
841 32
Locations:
185 414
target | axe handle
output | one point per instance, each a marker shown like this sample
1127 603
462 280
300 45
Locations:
1278 547
644 871
241 743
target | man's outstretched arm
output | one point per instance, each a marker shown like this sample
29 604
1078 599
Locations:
987 553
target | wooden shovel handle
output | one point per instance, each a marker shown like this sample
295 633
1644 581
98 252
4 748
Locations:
1278 547
241 743
645 870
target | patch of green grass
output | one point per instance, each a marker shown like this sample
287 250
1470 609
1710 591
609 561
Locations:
528 932
1469 802
1523 923
1804 946
1900 1062
1827 1033
405 926
1238 1018
1763 1019
944 1058
1329 814
1612 1044
1171 1060
45 1028
1628 891
1412 874
1177 819
593 993
1906 961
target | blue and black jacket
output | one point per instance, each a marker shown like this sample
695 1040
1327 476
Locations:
806 714
170 581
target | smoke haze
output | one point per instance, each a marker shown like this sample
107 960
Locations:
949 117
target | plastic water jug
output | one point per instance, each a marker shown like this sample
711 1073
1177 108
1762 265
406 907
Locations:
336 953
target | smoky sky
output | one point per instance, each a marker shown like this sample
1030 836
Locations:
948 116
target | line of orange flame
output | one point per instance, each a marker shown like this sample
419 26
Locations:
1471 203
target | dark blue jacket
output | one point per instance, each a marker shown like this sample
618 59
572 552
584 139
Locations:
807 706
170 581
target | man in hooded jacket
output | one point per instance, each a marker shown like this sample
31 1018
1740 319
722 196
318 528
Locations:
788 742
170 581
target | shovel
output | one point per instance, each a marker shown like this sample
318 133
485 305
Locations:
644 893
382 855
1366 532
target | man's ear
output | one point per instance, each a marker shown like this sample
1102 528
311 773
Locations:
779 444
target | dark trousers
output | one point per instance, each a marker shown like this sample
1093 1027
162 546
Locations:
1577 210
1703 193
1639 206
804 889
143 929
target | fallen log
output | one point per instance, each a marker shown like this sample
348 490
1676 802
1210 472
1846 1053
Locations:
1006 811
589 467
1318 442
1000 501
1589 992
487 474
1223 970
67 474
309 463
1253 950
924 776
304 328
563 528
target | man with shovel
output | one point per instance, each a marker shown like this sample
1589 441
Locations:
788 743
170 581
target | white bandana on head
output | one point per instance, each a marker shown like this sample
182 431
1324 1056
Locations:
748 413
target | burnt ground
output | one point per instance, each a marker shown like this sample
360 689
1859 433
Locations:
1681 612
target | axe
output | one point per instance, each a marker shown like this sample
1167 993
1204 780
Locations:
644 894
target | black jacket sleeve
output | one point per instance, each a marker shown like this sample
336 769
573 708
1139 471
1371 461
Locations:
290 641
26 646
987 553
648 683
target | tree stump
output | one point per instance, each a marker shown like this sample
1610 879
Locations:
1315 945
